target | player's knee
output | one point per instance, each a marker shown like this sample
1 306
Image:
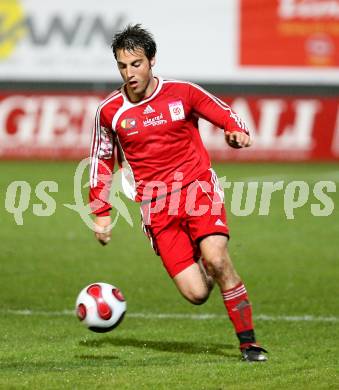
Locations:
220 266
197 297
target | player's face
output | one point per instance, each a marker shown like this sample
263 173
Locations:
136 70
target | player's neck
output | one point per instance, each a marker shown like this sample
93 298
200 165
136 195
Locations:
148 91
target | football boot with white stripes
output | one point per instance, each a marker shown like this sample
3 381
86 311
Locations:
253 353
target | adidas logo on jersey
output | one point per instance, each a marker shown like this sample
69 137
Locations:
219 223
148 110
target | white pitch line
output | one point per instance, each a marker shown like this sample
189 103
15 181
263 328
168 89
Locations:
178 316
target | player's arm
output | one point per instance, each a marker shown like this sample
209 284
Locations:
102 164
221 115
103 230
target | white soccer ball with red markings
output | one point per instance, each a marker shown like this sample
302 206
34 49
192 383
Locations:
101 307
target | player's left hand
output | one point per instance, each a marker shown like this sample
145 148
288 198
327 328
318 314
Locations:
237 139
102 229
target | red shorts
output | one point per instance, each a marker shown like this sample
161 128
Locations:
176 223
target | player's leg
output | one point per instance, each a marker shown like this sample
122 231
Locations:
178 255
210 230
207 277
193 284
219 264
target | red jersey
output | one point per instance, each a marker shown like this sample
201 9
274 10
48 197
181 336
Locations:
157 139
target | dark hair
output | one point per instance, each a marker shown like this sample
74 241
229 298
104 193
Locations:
132 38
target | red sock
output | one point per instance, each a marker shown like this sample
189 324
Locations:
240 313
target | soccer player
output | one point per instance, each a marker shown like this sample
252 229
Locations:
152 124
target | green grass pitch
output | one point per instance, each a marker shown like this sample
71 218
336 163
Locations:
290 268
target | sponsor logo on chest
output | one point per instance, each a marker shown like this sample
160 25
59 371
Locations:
176 110
155 121
129 123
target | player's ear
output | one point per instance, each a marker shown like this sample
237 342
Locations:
152 62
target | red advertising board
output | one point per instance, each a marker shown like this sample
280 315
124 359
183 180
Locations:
46 125
58 126
283 129
289 33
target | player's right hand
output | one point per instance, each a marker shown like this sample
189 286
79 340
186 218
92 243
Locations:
102 229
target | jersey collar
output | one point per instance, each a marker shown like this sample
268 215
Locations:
152 96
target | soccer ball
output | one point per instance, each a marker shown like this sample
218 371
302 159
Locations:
101 307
